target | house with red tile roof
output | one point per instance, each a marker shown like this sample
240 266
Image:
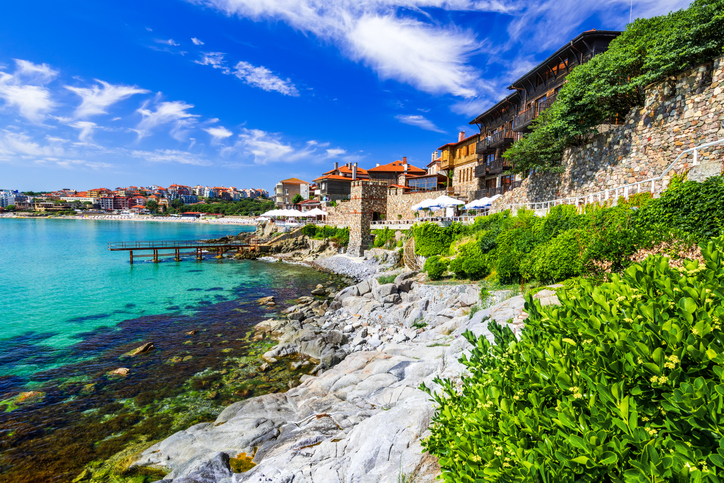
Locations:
336 184
286 189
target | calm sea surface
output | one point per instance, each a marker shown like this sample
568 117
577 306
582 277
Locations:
70 309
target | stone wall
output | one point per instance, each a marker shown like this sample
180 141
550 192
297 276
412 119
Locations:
399 203
679 113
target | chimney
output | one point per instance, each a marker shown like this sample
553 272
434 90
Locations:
354 172
404 160
404 166
336 165
461 136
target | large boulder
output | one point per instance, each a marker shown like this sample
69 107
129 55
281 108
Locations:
383 291
404 281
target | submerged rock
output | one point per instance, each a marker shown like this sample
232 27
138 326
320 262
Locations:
121 371
147 347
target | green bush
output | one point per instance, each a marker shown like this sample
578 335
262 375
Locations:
696 208
435 267
470 261
558 259
431 239
621 383
384 238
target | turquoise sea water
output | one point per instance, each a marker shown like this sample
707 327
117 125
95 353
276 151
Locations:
69 312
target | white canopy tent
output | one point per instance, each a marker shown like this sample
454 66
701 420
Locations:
422 205
282 214
478 204
445 201
315 212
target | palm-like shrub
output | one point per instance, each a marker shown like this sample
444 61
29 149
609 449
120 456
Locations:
621 383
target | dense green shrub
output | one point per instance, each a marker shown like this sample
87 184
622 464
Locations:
612 83
435 267
558 259
431 239
385 279
340 236
621 383
696 208
384 238
470 261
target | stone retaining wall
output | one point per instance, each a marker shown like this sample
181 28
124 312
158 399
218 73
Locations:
679 113
400 204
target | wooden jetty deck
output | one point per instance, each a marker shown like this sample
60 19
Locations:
174 249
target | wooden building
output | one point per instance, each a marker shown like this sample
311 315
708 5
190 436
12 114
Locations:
511 118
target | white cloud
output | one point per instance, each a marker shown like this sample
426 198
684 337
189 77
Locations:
430 58
428 55
263 78
98 98
419 121
86 130
335 152
24 89
264 148
174 113
215 60
219 133
196 41
14 145
168 42
171 156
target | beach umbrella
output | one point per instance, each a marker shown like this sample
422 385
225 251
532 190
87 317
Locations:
294 213
273 214
422 205
316 212
445 201
477 204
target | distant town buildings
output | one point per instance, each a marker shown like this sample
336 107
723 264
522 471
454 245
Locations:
287 189
131 198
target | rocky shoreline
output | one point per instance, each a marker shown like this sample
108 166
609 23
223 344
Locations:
360 415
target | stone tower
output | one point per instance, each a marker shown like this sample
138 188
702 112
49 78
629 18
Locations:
367 198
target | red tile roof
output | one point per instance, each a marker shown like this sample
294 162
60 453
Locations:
293 181
334 177
397 167
345 169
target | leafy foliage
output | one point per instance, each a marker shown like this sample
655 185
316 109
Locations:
612 83
692 207
621 383
435 267
297 199
245 207
558 259
340 236
384 238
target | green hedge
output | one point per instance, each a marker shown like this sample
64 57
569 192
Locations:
338 235
566 243
621 383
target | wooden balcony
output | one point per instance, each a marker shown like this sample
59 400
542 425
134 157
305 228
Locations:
482 146
481 170
525 118
500 139
498 166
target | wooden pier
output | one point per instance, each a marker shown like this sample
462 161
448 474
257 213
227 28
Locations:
168 249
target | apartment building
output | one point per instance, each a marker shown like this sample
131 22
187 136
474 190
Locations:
336 184
286 189
512 117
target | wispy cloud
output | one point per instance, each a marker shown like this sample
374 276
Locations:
196 41
171 156
97 99
419 121
86 130
14 145
215 60
174 113
25 89
426 54
169 42
219 133
263 78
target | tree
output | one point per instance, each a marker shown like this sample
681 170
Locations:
177 203
151 206
10 207
297 199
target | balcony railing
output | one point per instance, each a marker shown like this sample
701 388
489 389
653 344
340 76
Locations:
481 170
500 138
481 146
524 119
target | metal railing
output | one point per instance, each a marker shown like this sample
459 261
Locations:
646 186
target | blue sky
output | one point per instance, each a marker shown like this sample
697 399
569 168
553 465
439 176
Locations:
246 92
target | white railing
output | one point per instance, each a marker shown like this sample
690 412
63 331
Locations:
646 186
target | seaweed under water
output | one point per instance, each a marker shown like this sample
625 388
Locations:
83 422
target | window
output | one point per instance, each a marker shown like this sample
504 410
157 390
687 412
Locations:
541 104
508 179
